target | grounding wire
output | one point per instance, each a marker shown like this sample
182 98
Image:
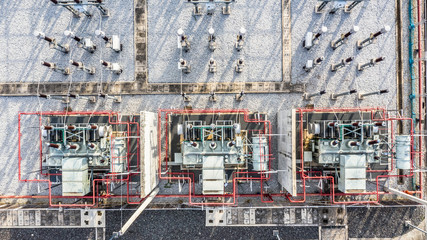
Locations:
181 70
100 79
71 76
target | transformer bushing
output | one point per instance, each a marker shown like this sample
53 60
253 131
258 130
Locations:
372 142
114 67
343 63
352 144
112 42
357 124
344 38
307 96
311 40
371 63
240 39
81 66
240 65
72 146
54 145
52 42
312 63
54 67
84 43
334 96
212 40
372 38
361 96
212 66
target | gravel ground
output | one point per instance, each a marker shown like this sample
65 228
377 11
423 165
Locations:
19 62
171 224
370 16
382 222
160 49
262 51
164 225
22 51
8 130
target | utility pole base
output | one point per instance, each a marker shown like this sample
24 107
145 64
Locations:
347 9
197 11
226 10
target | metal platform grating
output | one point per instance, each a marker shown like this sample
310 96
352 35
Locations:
51 218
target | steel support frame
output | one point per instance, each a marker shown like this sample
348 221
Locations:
69 6
140 84
113 119
163 116
387 174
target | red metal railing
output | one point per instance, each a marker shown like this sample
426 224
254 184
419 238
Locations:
113 119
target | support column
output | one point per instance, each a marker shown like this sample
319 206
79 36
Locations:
343 63
352 5
344 38
184 66
372 38
371 63
81 66
363 95
335 96
54 67
309 96
52 42
319 8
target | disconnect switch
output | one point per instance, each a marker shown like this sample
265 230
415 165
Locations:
116 43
